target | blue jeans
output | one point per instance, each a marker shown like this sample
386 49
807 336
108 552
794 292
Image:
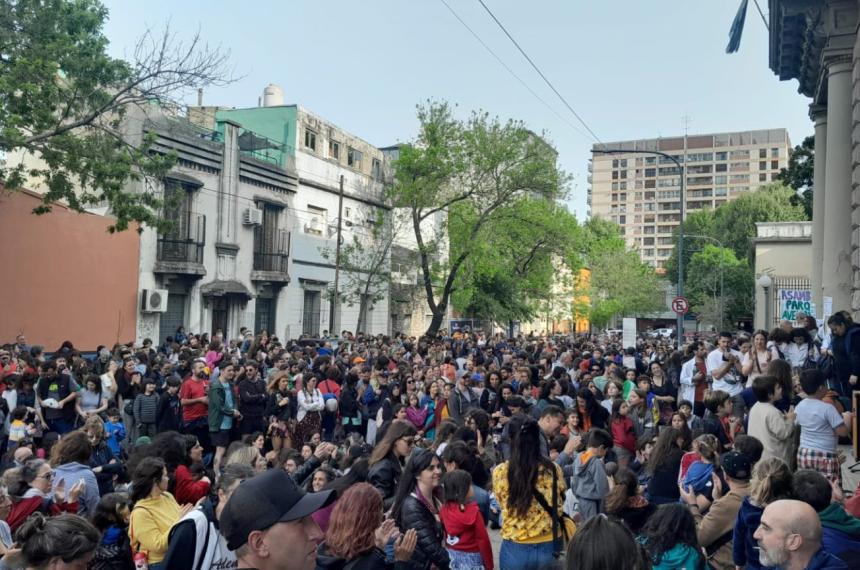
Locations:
516 556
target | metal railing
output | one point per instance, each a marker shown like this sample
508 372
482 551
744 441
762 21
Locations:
184 243
273 256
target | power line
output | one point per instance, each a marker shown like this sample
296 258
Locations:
536 68
511 71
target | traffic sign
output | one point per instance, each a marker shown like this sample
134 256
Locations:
680 305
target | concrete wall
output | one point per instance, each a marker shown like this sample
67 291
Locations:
66 277
780 256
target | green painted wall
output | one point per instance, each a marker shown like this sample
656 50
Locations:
276 123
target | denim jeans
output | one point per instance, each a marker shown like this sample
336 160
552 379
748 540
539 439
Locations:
517 556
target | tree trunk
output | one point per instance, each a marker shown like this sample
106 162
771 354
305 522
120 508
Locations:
438 318
362 314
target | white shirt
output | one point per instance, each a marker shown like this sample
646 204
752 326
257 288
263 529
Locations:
687 390
730 383
818 421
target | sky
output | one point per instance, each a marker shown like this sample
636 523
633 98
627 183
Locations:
629 68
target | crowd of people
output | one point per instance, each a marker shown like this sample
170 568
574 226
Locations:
359 452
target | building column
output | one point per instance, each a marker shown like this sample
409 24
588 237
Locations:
818 113
836 272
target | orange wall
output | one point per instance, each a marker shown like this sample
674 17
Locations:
65 277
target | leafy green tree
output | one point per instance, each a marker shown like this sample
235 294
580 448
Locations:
64 99
714 272
474 170
800 174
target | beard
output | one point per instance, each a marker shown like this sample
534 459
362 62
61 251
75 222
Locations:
773 557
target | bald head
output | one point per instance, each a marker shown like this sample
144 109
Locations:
798 518
789 531
22 454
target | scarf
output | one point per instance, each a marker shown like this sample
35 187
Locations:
837 518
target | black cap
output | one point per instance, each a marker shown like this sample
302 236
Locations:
737 465
264 500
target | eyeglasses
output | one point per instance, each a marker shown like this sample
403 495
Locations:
47 476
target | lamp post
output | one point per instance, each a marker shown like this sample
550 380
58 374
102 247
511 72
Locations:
680 289
722 291
765 282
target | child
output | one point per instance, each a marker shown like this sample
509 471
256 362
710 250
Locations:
18 429
415 414
613 392
169 411
718 420
623 435
693 422
587 474
111 519
572 427
466 538
698 466
146 410
629 383
115 431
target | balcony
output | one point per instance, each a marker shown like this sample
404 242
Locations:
271 256
180 251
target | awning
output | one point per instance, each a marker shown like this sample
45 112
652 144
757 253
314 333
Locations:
225 287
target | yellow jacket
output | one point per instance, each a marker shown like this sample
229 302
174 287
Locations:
536 526
151 520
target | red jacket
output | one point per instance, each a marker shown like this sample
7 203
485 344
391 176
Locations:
623 434
26 507
187 490
465 531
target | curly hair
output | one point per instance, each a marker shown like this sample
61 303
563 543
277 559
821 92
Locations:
670 525
354 520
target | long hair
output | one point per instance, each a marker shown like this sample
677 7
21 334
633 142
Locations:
272 386
524 466
626 486
669 526
385 447
604 544
418 462
355 518
772 481
148 473
73 448
108 511
781 370
667 442
357 474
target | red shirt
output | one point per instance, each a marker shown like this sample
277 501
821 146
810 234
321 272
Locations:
465 531
187 490
703 385
622 433
190 390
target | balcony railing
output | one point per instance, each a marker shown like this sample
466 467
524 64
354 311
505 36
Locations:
272 256
184 243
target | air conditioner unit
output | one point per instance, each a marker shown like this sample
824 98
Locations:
154 301
253 217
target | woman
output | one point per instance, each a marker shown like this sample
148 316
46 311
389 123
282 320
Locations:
71 461
528 540
358 535
155 511
320 479
65 541
90 400
111 520
247 455
549 395
670 539
388 458
416 506
310 407
626 503
458 455
593 415
604 544
491 398
663 465
357 474
30 489
664 393
280 409
102 461
801 353
430 402
179 452
757 359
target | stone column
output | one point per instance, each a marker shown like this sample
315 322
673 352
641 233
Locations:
818 114
837 275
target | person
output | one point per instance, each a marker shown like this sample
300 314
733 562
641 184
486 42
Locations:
766 423
458 455
416 505
64 541
588 480
357 473
91 401
155 511
388 458
664 464
802 352
604 544
466 539
845 346
104 463
280 409
55 393
71 461
531 533
693 377
145 410
195 541
755 362
111 520
626 503
820 428
462 399
267 523
718 420
31 492
550 419
358 535
222 413
310 407
169 408
623 436
789 537
725 369
193 395
771 482
715 528
840 531
252 400
669 537
115 431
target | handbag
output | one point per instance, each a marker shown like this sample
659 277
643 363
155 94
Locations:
562 526
140 557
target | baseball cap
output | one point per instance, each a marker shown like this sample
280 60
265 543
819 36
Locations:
265 500
737 465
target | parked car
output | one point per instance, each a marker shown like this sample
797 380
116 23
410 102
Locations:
661 333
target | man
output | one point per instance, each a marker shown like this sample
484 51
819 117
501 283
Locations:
840 531
694 376
845 345
222 414
193 395
715 529
184 550
724 366
267 523
252 400
551 418
56 393
789 537
462 399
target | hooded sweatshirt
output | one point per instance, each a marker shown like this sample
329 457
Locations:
73 472
589 483
465 531
840 533
744 545
681 556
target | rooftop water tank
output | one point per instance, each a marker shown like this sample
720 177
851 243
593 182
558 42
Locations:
273 95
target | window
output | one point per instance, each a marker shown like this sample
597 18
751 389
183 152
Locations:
376 170
700 169
721 191
668 171
622 197
623 174
649 219
615 163
668 182
774 153
721 156
774 164
622 219
739 167
614 186
622 186
637 196
637 219
762 165
310 139
650 172
648 252
739 178
353 158
615 197
334 150
699 180
773 175
649 195
721 167
650 160
648 230
623 163
762 177
762 153
650 183
739 154
648 241
615 175
318 221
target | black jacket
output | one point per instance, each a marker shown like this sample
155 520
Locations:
348 405
846 353
429 550
252 398
101 457
281 413
384 475
373 559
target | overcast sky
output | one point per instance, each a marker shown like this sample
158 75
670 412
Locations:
630 69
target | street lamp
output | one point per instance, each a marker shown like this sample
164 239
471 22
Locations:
680 292
722 291
765 282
